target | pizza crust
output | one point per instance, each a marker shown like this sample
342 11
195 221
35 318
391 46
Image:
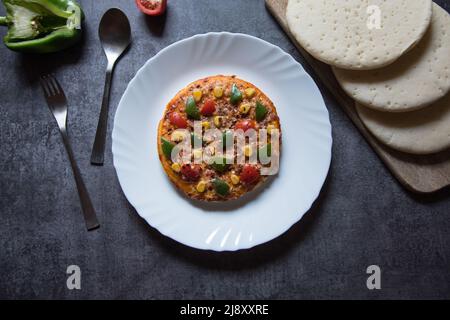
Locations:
424 131
337 32
419 78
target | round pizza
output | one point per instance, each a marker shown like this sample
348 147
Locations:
219 138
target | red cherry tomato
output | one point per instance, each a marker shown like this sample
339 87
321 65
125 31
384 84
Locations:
250 174
245 125
178 120
152 7
191 171
208 108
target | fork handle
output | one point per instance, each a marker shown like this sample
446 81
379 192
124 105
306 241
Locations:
98 150
90 217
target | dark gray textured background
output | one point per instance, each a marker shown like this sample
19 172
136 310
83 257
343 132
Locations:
362 217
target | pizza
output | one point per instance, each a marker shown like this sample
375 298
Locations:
198 138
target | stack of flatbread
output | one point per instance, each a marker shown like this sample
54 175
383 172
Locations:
392 57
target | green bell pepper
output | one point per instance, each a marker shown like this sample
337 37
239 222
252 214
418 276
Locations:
219 164
191 109
222 188
236 95
167 147
265 151
41 26
260 111
227 139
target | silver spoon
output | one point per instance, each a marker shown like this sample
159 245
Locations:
115 36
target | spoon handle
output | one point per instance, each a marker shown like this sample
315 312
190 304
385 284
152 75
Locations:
98 151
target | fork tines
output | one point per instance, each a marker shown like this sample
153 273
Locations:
51 86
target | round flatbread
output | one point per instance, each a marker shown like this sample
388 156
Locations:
417 79
424 131
358 34
223 104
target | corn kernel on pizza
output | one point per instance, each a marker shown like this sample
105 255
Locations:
206 117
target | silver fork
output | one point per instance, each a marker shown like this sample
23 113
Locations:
57 102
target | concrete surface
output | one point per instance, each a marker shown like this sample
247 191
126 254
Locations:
363 216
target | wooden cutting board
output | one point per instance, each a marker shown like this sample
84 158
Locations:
421 174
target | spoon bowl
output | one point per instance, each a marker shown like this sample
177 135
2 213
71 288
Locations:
115 36
114 33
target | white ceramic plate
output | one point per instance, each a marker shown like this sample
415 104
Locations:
260 216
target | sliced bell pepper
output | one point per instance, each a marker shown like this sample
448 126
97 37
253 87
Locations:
222 188
265 151
41 26
236 95
219 164
227 138
191 109
260 111
167 147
